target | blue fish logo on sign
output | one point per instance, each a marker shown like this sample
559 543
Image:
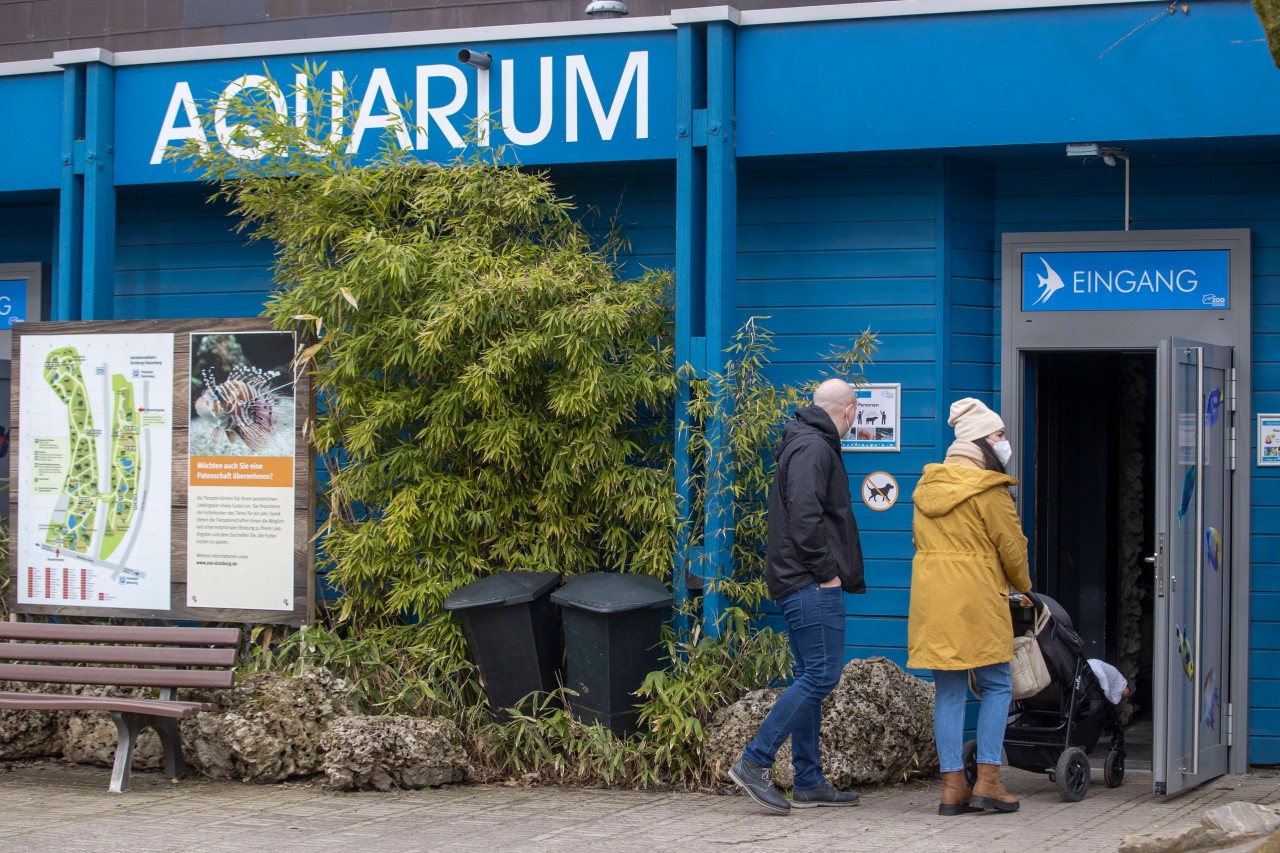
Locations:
1175 280
1049 284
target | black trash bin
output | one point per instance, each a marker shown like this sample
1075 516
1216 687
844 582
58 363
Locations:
513 631
612 629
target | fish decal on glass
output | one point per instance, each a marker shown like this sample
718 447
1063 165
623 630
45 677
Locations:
1188 492
1184 652
1213 408
1212 702
243 406
1213 548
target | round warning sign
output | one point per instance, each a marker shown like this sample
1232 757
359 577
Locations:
879 491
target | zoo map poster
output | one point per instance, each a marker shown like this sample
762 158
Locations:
95 472
240 524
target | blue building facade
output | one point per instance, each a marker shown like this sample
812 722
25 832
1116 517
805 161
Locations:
829 168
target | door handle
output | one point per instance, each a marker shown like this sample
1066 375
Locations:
1157 560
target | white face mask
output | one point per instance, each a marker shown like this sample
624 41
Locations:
1003 451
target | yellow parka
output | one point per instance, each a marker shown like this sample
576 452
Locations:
969 550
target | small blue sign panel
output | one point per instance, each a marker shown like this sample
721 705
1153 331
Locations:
1192 280
13 302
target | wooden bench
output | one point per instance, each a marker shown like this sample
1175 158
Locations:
167 658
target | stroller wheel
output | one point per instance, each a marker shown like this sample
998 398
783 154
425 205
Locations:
1072 774
971 762
1113 770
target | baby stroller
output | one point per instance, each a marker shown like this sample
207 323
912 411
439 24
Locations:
1054 731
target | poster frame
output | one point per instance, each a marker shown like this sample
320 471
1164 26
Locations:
1262 418
848 445
304 509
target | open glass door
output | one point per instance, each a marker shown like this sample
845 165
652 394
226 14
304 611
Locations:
1192 561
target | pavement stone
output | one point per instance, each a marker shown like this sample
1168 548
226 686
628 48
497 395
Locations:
62 807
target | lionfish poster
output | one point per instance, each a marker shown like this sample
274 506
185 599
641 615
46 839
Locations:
241 457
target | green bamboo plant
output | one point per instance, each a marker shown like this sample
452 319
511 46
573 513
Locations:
492 396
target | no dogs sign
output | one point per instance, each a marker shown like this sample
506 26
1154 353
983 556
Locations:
879 491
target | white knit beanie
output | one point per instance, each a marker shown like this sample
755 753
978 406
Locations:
972 419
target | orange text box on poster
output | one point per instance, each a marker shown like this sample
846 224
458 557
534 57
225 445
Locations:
241 471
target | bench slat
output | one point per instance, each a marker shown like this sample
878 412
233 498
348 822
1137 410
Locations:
115 675
148 634
154 655
53 702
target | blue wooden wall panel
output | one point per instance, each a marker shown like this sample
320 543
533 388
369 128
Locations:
178 255
27 233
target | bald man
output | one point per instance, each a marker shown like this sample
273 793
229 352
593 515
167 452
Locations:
814 558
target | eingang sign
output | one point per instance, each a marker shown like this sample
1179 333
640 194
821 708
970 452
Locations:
599 98
1191 280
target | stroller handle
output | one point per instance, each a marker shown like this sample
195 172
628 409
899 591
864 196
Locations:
1030 596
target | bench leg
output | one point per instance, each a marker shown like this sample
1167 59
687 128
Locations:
127 728
175 767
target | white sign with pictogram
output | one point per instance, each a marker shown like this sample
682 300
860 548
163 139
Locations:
879 491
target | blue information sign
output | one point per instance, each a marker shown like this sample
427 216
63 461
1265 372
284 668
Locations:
13 302
1192 280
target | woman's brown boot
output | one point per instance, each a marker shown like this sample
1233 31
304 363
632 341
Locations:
989 792
955 795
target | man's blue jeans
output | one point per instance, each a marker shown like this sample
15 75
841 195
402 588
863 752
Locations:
951 688
815 627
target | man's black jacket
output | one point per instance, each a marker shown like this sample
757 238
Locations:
812 534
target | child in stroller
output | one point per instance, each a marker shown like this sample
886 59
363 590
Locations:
1054 731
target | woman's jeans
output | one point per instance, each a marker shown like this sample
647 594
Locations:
952 689
815 627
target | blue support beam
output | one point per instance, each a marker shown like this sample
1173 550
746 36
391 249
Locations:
66 290
689 298
85 285
721 297
99 270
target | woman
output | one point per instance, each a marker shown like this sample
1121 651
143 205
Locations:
969 550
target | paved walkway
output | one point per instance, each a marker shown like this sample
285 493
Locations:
67 808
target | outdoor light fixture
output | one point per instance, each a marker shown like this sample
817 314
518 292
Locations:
607 9
475 59
1109 154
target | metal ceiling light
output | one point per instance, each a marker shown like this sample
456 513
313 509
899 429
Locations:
607 9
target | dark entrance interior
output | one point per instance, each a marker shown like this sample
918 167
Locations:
1091 496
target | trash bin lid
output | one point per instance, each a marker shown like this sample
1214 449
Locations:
609 592
502 588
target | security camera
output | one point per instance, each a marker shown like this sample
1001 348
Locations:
475 59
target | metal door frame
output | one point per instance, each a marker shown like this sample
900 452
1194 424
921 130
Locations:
1030 331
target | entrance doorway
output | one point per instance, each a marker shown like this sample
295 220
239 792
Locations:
1089 489
1119 388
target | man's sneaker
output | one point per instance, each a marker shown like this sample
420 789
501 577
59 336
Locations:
757 781
823 795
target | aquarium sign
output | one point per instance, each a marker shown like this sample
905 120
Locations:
1181 280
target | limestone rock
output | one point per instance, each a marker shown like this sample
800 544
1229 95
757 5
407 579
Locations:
384 752
269 727
28 734
90 738
1232 824
1243 819
877 728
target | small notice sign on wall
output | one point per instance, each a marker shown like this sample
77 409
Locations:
1269 439
879 491
877 420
